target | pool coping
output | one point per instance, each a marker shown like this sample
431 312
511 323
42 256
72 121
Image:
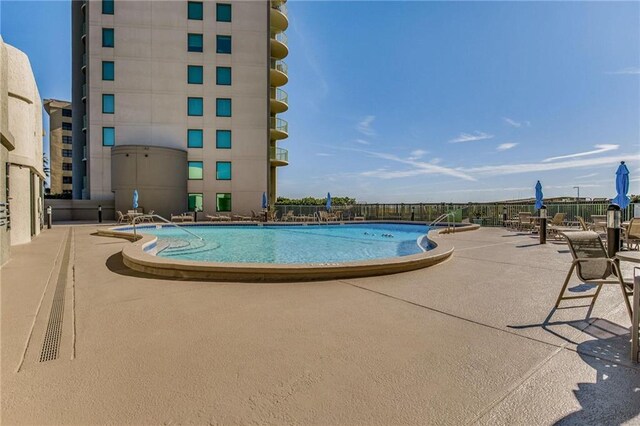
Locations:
135 256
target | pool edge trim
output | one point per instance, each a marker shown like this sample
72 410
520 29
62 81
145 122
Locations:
135 257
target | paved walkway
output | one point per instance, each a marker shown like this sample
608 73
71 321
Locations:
85 340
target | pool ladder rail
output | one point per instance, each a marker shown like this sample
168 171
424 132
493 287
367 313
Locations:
448 217
147 216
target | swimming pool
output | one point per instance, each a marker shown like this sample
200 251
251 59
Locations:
287 244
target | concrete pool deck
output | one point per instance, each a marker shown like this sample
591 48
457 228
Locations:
464 341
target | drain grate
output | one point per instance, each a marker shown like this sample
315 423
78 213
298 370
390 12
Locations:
51 344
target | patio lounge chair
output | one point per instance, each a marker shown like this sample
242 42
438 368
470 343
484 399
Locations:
121 218
289 217
218 218
524 221
593 266
583 224
632 234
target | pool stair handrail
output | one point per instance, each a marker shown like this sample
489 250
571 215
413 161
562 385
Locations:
146 216
441 219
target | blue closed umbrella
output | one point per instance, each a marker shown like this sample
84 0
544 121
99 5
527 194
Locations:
264 200
539 195
622 186
135 198
328 201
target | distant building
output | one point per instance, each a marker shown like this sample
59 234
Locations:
60 146
179 100
22 175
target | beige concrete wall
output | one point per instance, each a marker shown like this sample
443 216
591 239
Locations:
151 92
25 124
159 174
6 145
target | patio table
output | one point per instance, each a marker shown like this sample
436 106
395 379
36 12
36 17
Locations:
634 256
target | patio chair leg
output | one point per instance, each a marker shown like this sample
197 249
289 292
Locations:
623 288
566 283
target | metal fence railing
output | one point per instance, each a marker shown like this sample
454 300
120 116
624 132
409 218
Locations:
488 214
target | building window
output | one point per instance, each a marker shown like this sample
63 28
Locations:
66 139
194 10
108 38
107 7
194 74
223 139
66 179
66 126
223 44
223 202
194 138
66 166
223 107
108 104
194 42
67 153
108 70
66 112
195 202
223 12
223 76
195 170
108 136
194 106
223 170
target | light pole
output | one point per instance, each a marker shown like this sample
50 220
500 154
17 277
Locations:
577 201
578 188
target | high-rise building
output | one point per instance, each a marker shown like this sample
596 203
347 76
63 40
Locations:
178 99
21 166
60 146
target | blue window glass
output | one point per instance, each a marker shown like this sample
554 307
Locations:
194 138
223 170
223 12
108 37
194 42
66 126
108 70
195 170
223 107
195 202
194 106
223 44
108 104
194 74
223 139
108 136
66 112
223 202
107 7
223 76
194 10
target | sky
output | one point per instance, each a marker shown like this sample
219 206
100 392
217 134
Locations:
433 101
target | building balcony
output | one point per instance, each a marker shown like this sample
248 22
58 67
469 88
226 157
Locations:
278 16
279 100
84 32
278 73
279 129
84 123
84 92
84 62
279 49
279 157
83 6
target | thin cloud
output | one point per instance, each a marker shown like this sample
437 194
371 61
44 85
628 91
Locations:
515 123
471 137
507 169
506 146
312 62
362 142
626 71
587 176
323 154
417 154
364 126
418 168
599 149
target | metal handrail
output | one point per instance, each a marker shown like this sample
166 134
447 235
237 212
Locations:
442 217
146 216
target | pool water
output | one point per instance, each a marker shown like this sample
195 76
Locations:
288 244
